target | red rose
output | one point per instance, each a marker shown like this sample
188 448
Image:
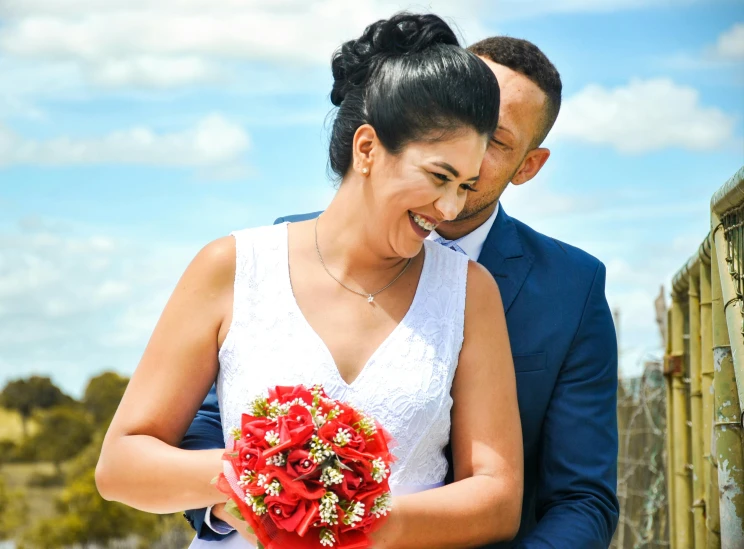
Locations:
355 446
315 487
294 429
297 426
305 489
254 430
365 525
286 511
299 463
380 442
370 522
354 480
291 518
288 394
248 455
352 539
343 412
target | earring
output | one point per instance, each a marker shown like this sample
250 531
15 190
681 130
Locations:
365 171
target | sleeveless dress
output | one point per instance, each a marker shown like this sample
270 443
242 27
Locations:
405 384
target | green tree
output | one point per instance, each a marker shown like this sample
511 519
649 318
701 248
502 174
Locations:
102 396
13 510
63 433
29 395
8 450
86 518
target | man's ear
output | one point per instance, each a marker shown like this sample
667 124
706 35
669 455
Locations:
531 165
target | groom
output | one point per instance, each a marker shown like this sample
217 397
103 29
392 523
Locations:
560 327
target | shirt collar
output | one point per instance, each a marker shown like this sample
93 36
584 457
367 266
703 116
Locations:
472 243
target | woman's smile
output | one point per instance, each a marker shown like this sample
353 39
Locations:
422 225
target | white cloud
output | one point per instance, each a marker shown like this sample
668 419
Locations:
214 141
174 43
730 44
539 202
641 245
180 42
533 8
153 72
44 274
22 84
75 301
283 30
724 54
643 116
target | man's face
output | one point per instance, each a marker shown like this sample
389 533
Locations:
520 121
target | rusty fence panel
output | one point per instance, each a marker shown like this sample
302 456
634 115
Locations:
704 373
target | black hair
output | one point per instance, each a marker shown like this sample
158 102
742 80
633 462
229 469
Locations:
526 58
409 79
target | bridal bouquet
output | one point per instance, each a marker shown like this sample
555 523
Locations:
308 472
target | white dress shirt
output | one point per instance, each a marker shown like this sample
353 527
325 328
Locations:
472 243
216 525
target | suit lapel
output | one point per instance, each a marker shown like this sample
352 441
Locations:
505 258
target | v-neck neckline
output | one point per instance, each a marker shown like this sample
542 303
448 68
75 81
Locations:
321 345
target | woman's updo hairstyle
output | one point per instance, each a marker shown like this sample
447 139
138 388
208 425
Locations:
410 80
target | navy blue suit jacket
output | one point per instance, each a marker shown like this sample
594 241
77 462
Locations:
565 356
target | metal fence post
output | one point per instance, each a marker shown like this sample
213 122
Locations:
682 478
727 335
696 407
705 348
713 528
669 366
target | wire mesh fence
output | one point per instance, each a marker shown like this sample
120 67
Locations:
733 229
641 472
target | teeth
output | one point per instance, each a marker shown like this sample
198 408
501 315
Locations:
423 223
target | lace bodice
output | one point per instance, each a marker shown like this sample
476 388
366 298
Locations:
406 383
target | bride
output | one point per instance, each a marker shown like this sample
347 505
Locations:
358 300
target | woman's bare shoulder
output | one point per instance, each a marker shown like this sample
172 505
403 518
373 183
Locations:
482 291
213 266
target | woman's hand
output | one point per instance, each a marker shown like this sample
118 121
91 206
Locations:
218 511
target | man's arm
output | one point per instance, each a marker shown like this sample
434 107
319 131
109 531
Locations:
205 433
576 501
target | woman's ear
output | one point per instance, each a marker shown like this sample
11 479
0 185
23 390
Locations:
364 147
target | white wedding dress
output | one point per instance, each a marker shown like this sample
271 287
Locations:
405 384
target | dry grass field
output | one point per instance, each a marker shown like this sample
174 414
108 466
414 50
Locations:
11 426
17 475
40 500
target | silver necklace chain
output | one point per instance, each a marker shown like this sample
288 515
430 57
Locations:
370 296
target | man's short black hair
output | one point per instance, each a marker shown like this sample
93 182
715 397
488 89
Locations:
526 58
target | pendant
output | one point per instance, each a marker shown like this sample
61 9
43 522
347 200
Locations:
370 299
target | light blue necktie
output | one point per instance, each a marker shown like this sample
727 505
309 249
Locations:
451 244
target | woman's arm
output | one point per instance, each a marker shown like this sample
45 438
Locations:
140 464
485 502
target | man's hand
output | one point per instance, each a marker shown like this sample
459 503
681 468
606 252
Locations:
240 525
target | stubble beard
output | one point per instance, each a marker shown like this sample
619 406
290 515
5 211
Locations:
478 207
474 209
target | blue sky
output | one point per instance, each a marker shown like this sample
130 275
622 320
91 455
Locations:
133 132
